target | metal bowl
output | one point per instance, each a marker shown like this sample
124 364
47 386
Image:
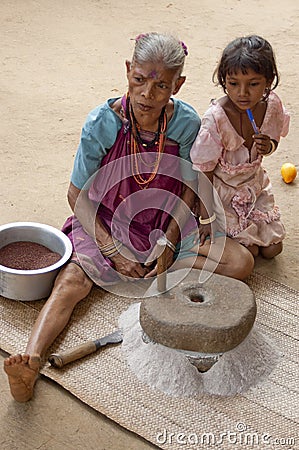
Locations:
36 284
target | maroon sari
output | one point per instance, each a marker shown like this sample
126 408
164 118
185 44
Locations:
133 215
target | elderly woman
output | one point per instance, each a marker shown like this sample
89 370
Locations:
132 183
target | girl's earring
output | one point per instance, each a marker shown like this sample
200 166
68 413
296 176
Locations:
266 93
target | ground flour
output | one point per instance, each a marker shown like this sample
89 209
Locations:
171 372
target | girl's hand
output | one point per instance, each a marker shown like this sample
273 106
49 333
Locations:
263 144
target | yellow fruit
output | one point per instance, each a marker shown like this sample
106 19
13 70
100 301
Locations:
288 172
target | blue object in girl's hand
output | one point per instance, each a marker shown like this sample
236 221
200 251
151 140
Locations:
251 118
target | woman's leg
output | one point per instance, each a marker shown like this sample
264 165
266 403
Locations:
225 257
71 286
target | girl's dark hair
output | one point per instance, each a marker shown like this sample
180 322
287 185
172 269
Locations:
250 52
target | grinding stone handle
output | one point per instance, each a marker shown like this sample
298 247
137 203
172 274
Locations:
161 268
61 359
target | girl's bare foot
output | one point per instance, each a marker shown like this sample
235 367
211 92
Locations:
254 250
22 372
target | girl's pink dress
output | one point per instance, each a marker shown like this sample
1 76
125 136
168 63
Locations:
242 184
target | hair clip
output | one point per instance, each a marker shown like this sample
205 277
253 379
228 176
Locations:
140 36
184 47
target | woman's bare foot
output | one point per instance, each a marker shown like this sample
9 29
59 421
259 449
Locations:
22 372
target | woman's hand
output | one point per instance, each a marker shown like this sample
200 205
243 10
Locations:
205 231
125 264
169 254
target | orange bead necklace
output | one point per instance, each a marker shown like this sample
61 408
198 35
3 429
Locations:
136 143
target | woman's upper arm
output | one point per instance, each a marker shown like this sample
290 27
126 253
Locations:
97 137
72 195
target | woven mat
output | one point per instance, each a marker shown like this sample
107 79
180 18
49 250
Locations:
265 417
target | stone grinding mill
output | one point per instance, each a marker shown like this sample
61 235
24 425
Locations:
202 320
192 337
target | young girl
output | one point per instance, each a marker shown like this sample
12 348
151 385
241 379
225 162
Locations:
237 131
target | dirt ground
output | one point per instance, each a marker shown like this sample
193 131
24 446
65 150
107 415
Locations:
59 59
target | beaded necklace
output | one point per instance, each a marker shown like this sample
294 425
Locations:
156 144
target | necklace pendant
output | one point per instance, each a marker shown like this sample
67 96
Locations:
144 145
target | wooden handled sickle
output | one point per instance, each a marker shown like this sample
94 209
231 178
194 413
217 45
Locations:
59 360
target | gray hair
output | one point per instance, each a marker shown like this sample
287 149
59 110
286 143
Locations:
160 48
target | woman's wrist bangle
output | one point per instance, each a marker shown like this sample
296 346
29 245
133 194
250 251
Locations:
111 253
273 148
164 241
111 249
208 220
